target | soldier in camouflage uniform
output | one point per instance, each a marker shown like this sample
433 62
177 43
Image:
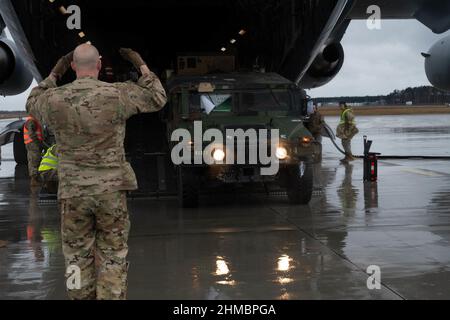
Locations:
346 130
33 139
315 126
88 119
48 171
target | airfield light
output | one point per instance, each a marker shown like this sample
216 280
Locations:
242 32
223 49
81 34
233 41
281 153
63 10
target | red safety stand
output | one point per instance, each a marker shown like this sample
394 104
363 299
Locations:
370 162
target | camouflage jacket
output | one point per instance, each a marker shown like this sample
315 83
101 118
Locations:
88 118
316 123
32 129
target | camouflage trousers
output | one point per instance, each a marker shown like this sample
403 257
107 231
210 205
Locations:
95 234
317 147
50 181
34 156
347 144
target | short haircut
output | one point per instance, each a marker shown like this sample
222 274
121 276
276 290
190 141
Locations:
86 56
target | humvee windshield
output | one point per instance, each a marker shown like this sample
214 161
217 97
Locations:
240 101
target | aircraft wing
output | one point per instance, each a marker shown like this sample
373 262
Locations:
300 39
336 16
9 19
432 13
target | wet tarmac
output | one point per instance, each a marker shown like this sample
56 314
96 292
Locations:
253 246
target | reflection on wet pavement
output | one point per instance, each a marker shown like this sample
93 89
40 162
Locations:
248 246
252 247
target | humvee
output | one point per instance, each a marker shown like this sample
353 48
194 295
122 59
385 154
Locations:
210 91
233 101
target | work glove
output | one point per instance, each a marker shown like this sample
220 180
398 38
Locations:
62 65
133 57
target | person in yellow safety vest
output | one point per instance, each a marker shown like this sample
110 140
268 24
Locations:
33 138
346 130
48 170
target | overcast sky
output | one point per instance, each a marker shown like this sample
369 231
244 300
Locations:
376 61
380 61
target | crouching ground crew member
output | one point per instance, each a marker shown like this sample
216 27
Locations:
33 137
48 170
315 126
346 130
88 119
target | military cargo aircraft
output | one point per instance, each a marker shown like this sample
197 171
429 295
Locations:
298 40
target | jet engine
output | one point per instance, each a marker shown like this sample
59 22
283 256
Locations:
437 64
325 67
15 78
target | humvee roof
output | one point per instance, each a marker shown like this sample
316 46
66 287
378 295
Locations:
238 80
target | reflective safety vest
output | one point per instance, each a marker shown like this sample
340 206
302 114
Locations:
26 133
343 114
49 161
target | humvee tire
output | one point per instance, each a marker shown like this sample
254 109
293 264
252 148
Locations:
188 188
300 183
20 152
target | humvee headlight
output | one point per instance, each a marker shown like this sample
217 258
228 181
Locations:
281 153
218 155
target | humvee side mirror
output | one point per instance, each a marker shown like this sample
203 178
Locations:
300 105
308 108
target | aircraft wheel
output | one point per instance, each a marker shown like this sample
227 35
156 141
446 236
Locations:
20 151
